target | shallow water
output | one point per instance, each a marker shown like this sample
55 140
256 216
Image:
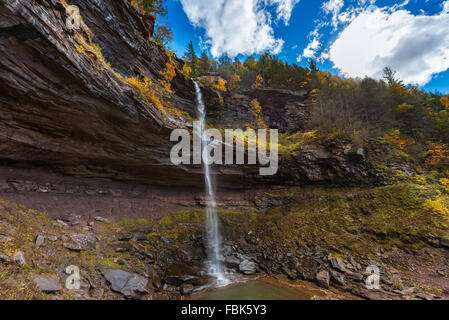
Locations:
267 289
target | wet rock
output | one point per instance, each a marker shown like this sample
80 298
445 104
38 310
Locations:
48 284
131 285
232 262
323 279
247 267
289 273
186 288
179 274
19 259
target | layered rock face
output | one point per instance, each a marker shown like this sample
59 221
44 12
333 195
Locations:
67 112
65 104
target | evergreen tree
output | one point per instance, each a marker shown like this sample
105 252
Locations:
192 59
204 64
312 66
390 77
225 66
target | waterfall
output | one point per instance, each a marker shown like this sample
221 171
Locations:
212 229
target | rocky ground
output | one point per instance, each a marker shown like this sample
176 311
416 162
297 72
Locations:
325 236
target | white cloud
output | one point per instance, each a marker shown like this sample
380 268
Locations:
417 47
334 16
445 6
333 7
239 27
284 9
311 50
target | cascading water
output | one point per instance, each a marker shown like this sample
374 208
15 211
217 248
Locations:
213 232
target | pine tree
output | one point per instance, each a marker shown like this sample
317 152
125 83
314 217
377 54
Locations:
204 64
192 59
390 76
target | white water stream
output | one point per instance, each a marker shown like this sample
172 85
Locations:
212 229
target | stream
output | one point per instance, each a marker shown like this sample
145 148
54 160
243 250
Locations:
270 288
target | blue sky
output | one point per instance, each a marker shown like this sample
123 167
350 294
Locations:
346 37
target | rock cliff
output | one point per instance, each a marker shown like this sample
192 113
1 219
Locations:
71 102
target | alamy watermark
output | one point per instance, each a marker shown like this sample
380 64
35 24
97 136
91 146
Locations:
74 20
373 280
210 148
73 281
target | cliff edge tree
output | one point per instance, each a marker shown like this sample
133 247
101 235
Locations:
154 7
157 8
192 60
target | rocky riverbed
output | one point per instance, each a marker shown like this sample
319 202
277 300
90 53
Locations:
164 258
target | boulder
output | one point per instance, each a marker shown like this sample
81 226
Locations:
48 285
323 279
357 277
40 241
186 288
247 267
19 258
80 242
131 285
232 262
338 264
337 277
178 274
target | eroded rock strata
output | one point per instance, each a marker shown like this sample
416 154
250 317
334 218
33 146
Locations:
67 105
82 147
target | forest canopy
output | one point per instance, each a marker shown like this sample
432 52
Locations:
412 119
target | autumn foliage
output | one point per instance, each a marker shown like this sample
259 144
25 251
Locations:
258 83
150 6
437 154
234 82
256 111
